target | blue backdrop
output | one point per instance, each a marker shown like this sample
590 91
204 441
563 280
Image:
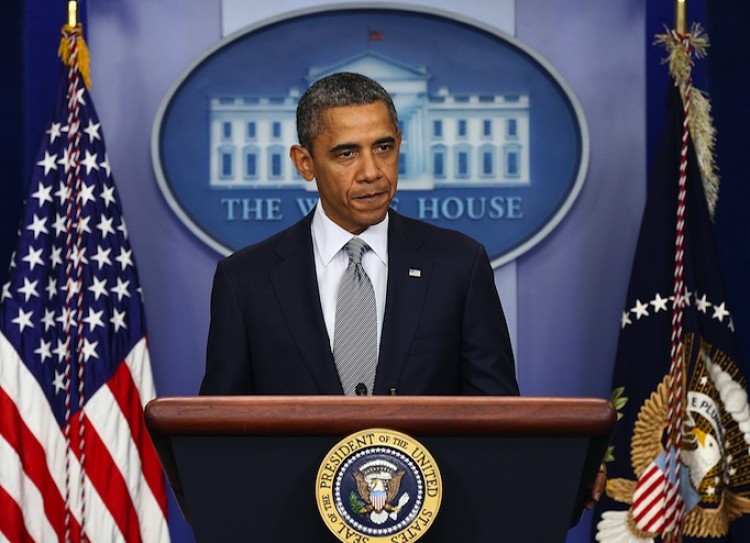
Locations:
571 287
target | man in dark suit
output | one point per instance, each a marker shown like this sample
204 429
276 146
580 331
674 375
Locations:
440 324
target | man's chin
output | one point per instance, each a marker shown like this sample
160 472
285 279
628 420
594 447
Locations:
371 218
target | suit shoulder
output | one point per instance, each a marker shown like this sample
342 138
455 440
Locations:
439 236
265 252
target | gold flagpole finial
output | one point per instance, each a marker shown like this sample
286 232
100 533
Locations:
680 16
72 13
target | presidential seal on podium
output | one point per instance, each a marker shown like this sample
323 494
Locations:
379 486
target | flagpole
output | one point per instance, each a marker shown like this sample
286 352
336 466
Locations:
680 16
72 13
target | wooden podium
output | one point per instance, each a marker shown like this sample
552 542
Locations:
513 469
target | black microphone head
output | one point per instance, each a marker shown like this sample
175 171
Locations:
360 389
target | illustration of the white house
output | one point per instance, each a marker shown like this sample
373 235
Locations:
449 140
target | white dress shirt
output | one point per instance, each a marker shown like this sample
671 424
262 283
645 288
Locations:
331 259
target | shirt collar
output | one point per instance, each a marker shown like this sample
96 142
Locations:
330 238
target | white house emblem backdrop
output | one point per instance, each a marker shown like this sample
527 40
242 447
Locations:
494 142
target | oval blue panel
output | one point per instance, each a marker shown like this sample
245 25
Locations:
494 143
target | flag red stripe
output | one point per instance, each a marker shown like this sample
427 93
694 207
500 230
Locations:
104 474
126 394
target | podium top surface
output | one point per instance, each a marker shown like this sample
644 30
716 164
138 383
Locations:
421 415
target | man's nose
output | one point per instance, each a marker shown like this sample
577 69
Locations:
369 167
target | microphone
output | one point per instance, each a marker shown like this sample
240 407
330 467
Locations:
360 389
393 391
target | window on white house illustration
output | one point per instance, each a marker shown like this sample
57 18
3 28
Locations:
463 155
487 158
251 165
487 128
462 128
512 161
276 130
437 129
226 162
275 162
512 129
439 165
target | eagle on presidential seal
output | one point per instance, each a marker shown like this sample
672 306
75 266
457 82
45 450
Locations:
717 441
378 485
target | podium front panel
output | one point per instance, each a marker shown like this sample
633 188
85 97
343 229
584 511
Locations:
494 488
513 469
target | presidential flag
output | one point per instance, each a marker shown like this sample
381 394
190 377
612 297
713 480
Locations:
681 468
76 461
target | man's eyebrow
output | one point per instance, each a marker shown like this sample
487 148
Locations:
342 147
387 139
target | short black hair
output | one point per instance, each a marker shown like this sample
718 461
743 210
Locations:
341 89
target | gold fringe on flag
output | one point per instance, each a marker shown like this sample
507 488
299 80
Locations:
80 61
680 59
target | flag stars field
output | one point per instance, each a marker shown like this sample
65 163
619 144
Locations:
659 303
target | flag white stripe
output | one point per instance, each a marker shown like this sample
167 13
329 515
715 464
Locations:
139 364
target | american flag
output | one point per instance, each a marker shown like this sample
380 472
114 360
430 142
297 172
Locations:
76 461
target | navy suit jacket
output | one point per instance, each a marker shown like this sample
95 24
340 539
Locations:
444 331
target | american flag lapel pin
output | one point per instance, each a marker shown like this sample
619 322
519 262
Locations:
415 272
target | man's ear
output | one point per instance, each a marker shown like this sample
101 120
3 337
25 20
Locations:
303 161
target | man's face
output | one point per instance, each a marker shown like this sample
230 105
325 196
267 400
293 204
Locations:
355 162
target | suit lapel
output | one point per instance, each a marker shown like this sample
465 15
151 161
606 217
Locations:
408 278
294 282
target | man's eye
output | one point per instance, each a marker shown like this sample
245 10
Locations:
383 147
346 154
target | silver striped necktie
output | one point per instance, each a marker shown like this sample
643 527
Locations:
355 336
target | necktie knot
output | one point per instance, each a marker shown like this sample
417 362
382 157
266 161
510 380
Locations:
356 247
